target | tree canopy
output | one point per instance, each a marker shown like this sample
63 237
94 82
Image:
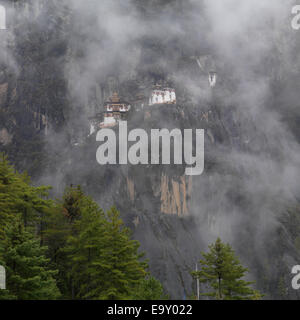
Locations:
222 272
69 248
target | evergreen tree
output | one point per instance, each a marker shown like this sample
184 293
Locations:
222 271
149 289
105 263
93 252
60 225
72 202
124 269
18 196
26 265
84 251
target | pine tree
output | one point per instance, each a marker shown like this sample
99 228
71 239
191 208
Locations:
149 289
124 268
222 271
84 251
28 276
93 252
60 224
72 202
18 196
105 263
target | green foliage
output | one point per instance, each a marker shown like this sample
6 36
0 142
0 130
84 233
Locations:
123 269
72 203
19 197
149 289
104 262
90 253
28 276
60 226
222 271
92 250
282 288
21 208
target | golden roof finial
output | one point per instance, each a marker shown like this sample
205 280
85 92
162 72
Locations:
115 97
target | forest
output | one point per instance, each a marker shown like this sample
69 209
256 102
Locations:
71 249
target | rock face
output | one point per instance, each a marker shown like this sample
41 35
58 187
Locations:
5 137
156 201
3 93
44 128
174 195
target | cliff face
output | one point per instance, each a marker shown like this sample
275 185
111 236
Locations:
51 86
7 97
174 195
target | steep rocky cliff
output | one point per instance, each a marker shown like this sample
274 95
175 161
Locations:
50 84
